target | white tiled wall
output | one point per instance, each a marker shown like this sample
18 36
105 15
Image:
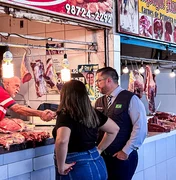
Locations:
157 158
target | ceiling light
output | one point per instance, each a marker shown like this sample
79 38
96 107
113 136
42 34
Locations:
7 66
125 70
65 72
141 69
172 74
157 71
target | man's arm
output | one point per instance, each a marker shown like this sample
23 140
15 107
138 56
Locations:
139 120
46 115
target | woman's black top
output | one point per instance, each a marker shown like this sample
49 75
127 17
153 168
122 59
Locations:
82 138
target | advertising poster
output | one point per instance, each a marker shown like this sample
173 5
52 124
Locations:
158 19
89 73
128 16
96 11
148 18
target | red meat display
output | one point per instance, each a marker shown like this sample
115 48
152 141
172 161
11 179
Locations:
11 125
15 138
49 74
22 137
162 122
136 83
35 136
150 89
38 71
25 74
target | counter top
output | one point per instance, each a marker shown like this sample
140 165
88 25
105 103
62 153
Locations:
153 136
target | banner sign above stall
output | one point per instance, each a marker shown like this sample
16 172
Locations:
155 19
96 11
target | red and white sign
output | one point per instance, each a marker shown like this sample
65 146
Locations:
96 11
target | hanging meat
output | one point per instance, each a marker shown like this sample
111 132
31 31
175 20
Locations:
38 71
50 76
136 83
25 74
131 81
150 88
11 125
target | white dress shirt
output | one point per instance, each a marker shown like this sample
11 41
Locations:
138 117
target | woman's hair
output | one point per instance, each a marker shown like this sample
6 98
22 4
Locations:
76 102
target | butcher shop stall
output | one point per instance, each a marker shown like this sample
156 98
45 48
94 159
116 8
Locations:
46 43
148 64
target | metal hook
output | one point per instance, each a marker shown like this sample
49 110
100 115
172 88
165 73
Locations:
137 66
132 65
28 51
152 67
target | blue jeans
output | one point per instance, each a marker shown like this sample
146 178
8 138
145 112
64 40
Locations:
89 166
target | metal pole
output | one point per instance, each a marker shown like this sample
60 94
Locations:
43 47
139 59
35 38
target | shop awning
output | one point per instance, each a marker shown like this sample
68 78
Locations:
139 41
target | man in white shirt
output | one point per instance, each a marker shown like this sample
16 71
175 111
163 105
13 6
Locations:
128 111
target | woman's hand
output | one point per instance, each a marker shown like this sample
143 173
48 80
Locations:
99 150
66 169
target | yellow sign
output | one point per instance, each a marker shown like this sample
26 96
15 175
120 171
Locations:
161 9
157 19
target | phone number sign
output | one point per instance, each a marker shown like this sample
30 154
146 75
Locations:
96 11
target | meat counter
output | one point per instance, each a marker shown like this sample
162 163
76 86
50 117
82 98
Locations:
28 160
157 159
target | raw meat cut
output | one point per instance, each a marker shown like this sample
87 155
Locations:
49 75
174 34
136 83
145 26
25 74
163 115
11 125
162 122
157 128
38 71
35 136
168 31
158 28
150 89
131 81
15 138
22 137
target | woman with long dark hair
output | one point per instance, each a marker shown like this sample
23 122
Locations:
75 133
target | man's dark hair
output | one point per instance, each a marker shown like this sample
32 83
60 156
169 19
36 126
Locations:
109 71
89 73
